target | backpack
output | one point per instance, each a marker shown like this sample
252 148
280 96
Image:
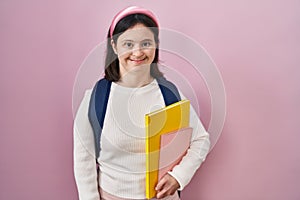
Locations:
100 94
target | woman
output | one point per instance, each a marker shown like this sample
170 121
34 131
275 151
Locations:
131 67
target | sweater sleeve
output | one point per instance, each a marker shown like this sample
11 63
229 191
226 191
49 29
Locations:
85 170
196 154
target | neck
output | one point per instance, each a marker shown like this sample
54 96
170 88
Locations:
135 79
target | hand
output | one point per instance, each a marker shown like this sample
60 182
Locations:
168 185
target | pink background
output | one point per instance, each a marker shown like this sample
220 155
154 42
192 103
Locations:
255 45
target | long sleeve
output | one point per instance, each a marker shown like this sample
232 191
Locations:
196 154
84 153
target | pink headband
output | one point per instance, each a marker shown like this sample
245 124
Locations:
128 11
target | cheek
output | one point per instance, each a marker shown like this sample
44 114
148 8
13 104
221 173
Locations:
150 53
123 55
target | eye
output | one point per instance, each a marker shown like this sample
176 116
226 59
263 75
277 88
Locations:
128 45
146 44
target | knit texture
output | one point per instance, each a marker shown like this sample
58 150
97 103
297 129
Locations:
122 157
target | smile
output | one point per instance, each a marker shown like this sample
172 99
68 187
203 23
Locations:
137 61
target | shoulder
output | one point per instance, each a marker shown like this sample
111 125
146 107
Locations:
102 84
163 80
88 92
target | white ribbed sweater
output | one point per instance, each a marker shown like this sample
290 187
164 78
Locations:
122 156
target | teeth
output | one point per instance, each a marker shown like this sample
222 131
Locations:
137 60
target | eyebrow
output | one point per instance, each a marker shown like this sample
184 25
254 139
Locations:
127 40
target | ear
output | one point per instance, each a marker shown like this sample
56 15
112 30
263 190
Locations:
114 46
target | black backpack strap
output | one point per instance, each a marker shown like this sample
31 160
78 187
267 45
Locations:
168 90
96 114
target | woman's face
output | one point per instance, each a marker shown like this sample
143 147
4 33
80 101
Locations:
135 49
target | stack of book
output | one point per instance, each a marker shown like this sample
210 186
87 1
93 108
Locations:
168 137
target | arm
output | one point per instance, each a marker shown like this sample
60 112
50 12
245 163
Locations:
182 173
85 171
196 154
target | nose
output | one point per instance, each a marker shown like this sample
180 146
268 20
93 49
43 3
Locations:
137 52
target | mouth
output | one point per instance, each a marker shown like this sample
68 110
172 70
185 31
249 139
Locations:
137 61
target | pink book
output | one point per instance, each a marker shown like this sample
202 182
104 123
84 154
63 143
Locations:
173 146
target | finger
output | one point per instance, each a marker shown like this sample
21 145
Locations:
160 184
162 193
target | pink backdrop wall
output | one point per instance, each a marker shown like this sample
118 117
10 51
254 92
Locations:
255 45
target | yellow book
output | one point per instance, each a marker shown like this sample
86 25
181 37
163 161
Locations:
163 121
